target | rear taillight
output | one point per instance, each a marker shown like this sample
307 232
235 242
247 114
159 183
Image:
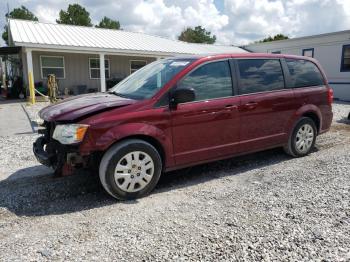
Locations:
330 96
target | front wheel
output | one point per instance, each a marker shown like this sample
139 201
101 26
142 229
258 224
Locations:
130 169
302 139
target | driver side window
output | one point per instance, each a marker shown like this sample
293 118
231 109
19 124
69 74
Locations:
212 80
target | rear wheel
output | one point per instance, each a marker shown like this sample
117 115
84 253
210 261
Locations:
302 139
130 169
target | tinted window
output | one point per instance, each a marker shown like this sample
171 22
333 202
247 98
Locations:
209 81
304 73
259 75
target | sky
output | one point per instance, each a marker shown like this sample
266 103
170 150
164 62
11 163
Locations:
234 22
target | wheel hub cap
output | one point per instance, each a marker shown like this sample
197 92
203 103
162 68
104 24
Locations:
304 138
134 171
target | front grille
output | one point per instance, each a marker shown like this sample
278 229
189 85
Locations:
49 128
52 128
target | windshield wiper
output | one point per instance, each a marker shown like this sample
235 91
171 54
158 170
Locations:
118 94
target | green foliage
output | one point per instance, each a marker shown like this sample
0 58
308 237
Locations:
5 35
18 13
275 38
106 22
197 35
75 15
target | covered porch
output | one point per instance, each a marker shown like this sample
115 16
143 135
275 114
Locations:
11 84
79 72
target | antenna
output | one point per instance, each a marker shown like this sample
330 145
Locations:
7 22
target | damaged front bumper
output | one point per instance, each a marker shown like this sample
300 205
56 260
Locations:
40 154
62 158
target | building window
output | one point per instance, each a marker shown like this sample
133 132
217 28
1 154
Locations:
94 66
345 59
275 52
136 65
52 65
308 52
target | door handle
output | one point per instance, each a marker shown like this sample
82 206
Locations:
231 107
250 105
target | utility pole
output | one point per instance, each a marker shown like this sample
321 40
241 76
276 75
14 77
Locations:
8 8
4 62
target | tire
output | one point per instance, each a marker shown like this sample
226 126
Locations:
304 133
130 169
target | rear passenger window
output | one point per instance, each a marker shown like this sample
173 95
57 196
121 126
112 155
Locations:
209 81
259 75
304 73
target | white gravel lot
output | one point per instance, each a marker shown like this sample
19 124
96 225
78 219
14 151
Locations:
261 207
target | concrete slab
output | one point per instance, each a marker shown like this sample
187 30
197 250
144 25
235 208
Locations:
14 119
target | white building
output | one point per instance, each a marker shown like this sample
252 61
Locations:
77 55
331 50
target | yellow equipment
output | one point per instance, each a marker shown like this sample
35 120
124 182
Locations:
53 88
31 89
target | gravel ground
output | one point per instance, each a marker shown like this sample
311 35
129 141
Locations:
265 206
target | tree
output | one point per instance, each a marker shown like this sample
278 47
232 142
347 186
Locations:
75 15
106 22
197 35
18 13
275 38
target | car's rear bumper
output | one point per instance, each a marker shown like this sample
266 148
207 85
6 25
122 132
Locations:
327 118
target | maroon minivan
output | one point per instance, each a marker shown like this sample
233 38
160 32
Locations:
183 111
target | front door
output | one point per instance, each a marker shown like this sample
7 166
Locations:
208 127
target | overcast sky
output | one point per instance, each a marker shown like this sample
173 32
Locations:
232 21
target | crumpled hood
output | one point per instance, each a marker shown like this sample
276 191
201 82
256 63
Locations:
78 106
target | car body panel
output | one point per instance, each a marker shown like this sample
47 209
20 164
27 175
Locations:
264 118
205 130
76 107
112 126
314 100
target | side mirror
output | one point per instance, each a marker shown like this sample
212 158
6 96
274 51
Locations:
181 95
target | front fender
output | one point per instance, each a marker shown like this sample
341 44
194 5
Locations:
133 129
101 141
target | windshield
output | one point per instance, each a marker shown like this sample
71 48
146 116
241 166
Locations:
148 80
